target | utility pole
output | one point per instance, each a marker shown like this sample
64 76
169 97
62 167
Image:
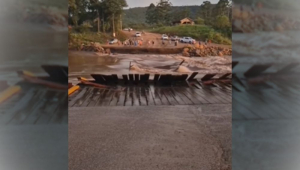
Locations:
103 22
113 20
98 18
121 21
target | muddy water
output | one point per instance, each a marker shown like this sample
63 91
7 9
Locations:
27 47
86 63
266 47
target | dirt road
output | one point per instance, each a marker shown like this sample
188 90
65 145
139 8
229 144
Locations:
148 36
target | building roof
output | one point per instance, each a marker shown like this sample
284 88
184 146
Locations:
178 21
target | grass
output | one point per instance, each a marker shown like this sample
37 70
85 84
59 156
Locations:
198 32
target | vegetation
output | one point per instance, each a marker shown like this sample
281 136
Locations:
105 13
274 4
198 32
90 16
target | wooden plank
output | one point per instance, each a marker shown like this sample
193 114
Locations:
223 96
234 63
147 76
149 96
115 78
156 77
8 93
167 92
95 97
109 79
101 99
136 92
163 98
193 96
98 78
115 98
125 78
181 91
131 95
288 68
156 97
122 98
108 98
89 97
143 96
257 70
21 116
128 98
142 78
208 77
57 72
192 76
131 79
177 97
162 78
183 77
35 110
80 100
136 78
224 76
53 110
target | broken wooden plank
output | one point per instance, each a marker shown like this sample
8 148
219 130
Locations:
257 70
207 77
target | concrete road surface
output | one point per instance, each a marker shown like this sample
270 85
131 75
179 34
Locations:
148 138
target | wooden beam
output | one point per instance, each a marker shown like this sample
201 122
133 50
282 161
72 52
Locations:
9 92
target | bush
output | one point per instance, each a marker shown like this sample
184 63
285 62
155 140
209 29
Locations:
83 28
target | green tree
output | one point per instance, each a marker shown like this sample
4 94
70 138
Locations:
180 14
76 10
150 14
205 9
222 22
222 8
162 12
199 21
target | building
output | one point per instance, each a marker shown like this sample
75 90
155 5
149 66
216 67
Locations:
184 21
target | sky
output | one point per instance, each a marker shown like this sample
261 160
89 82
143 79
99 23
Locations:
144 3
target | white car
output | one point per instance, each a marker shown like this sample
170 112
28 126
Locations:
175 38
138 34
128 29
113 41
187 40
164 37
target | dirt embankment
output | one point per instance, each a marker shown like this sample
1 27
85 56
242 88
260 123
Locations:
152 44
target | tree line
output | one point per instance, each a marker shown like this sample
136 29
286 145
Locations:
216 15
106 14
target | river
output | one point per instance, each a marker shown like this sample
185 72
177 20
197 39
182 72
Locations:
86 63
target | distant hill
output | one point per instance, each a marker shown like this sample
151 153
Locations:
138 15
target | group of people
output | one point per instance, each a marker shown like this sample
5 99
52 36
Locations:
133 42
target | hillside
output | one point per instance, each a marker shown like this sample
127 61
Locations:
138 15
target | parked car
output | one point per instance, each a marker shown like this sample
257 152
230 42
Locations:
187 40
113 41
174 38
138 34
164 37
127 29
